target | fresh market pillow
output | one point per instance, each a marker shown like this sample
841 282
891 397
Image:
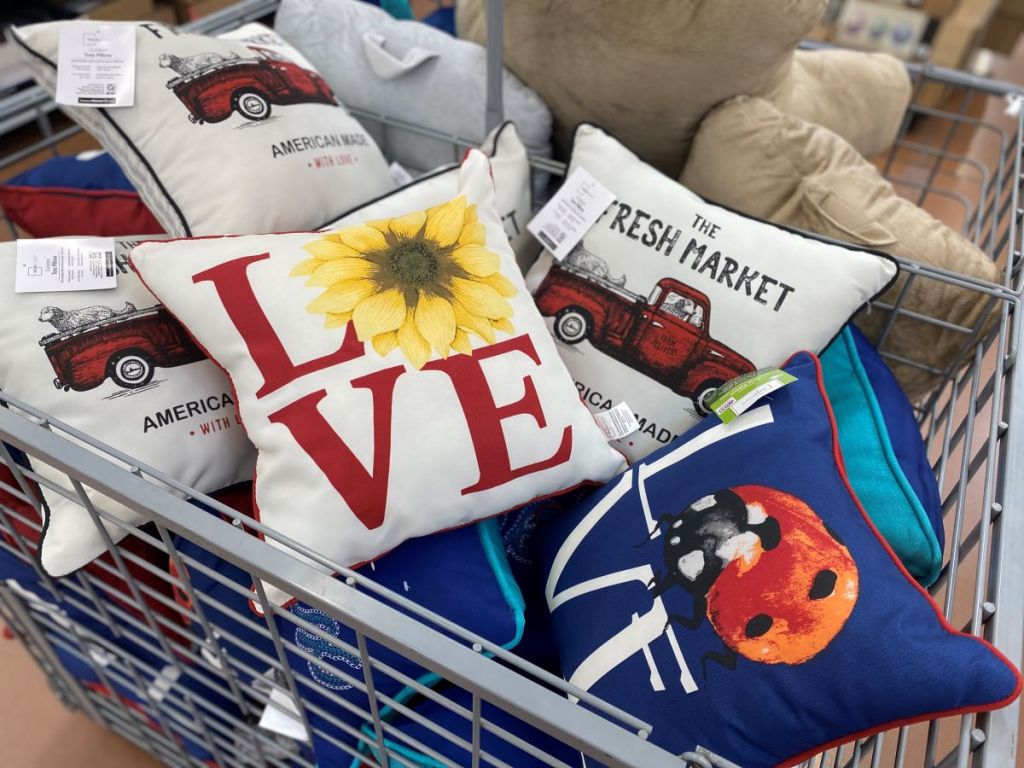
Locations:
895 497
230 134
83 195
510 169
403 755
115 365
462 575
668 297
408 70
377 416
731 591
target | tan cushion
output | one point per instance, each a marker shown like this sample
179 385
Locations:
860 96
750 156
646 71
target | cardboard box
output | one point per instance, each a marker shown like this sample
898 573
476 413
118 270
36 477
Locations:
938 8
122 10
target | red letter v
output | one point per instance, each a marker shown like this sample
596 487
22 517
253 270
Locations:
366 494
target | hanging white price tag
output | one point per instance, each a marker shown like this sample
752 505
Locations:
65 264
282 716
617 422
573 210
96 64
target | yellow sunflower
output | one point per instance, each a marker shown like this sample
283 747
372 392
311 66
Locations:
418 282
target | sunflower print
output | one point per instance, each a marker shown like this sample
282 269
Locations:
424 282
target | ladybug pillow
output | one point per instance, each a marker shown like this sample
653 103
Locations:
394 375
117 366
510 168
83 195
731 591
229 134
886 459
667 297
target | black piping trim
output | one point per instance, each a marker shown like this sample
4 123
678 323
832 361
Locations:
142 158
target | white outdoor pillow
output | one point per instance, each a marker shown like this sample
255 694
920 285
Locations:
411 71
240 161
395 376
668 297
115 365
510 169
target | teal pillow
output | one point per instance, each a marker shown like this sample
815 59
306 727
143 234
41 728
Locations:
871 463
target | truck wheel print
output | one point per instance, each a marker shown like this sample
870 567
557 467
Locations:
572 325
131 369
252 105
703 393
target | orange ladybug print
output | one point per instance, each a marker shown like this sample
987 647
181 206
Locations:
771 578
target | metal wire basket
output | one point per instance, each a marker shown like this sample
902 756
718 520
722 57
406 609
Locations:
113 645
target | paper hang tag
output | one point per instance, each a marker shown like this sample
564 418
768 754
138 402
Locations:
617 422
96 64
65 264
574 209
736 396
163 683
282 716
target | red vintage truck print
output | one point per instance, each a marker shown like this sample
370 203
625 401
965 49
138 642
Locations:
664 336
212 86
126 346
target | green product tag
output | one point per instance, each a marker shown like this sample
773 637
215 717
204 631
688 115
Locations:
736 396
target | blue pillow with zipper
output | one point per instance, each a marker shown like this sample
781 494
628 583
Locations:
731 590
886 459
462 575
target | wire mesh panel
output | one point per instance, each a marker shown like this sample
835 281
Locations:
170 639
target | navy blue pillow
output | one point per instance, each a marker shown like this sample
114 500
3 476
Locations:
904 433
730 590
461 574
98 172
461 727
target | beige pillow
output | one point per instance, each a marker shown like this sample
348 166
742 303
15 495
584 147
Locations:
750 156
648 72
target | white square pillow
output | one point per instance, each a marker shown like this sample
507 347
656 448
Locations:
233 134
394 375
668 297
115 365
510 169
411 71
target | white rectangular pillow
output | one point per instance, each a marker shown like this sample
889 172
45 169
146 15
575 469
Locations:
117 366
668 297
394 375
232 134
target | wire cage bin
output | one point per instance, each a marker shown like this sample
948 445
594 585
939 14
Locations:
164 656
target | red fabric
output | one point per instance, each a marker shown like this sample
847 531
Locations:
58 211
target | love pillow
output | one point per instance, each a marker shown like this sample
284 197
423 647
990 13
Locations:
232 134
731 591
394 376
668 297
510 169
115 365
